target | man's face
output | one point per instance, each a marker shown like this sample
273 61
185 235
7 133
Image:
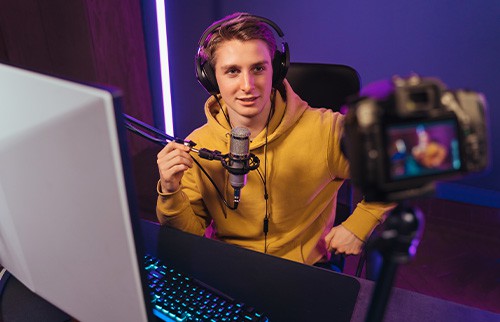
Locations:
244 74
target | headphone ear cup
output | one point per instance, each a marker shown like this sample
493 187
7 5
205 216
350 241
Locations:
281 62
206 76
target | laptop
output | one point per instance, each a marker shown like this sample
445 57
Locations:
70 231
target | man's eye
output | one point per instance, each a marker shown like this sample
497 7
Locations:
232 71
259 69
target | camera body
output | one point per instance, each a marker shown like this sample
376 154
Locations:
403 134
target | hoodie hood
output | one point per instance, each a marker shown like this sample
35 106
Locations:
286 114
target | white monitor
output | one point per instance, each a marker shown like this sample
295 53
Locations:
65 215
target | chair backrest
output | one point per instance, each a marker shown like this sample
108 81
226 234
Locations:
324 85
328 86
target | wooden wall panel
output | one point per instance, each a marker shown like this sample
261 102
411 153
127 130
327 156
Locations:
68 39
48 36
119 51
84 40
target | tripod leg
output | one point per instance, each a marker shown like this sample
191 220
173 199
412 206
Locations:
382 292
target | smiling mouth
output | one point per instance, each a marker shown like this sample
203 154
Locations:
248 99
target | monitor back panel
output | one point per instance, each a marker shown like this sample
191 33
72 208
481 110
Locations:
66 231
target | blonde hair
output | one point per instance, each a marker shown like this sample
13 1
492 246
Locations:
239 26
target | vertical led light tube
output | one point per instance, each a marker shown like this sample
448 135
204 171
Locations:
164 66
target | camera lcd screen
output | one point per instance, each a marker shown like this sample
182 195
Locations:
421 149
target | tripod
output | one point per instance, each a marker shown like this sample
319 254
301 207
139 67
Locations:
397 243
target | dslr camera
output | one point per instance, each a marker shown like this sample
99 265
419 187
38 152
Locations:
403 134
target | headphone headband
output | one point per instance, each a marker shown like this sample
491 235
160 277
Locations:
210 30
205 73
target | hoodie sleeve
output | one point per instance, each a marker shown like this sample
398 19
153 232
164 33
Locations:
365 217
183 209
339 165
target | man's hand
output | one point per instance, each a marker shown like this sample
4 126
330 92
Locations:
343 241
172 161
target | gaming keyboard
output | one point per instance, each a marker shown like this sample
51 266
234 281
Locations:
177 297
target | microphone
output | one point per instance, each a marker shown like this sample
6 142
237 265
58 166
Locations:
239 155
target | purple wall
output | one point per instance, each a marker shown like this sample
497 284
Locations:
456 42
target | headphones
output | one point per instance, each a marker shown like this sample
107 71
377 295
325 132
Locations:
206 74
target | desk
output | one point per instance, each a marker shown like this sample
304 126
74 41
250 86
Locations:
403 305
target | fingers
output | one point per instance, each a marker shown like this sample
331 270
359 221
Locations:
342 241
172 161
353 249
349 251
328 239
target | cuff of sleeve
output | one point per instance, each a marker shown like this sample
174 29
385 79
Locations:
365 218
173 201
161 193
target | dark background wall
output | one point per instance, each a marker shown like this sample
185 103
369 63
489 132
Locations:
457 42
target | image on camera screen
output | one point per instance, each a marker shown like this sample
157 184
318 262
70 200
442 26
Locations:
421 149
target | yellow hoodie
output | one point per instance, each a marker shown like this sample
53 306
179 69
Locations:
305 169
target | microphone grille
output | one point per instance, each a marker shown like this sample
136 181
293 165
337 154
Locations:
240 141
240 132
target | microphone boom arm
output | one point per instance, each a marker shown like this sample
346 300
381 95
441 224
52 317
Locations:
249 163
161 138
132 124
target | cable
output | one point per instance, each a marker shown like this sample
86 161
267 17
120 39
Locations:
215 186
223 112
265 227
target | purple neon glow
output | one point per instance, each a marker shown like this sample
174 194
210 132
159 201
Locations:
164 66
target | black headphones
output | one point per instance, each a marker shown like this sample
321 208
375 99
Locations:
206 75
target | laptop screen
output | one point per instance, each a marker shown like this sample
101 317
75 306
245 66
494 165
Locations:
66 216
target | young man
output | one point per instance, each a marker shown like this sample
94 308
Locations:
301 170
